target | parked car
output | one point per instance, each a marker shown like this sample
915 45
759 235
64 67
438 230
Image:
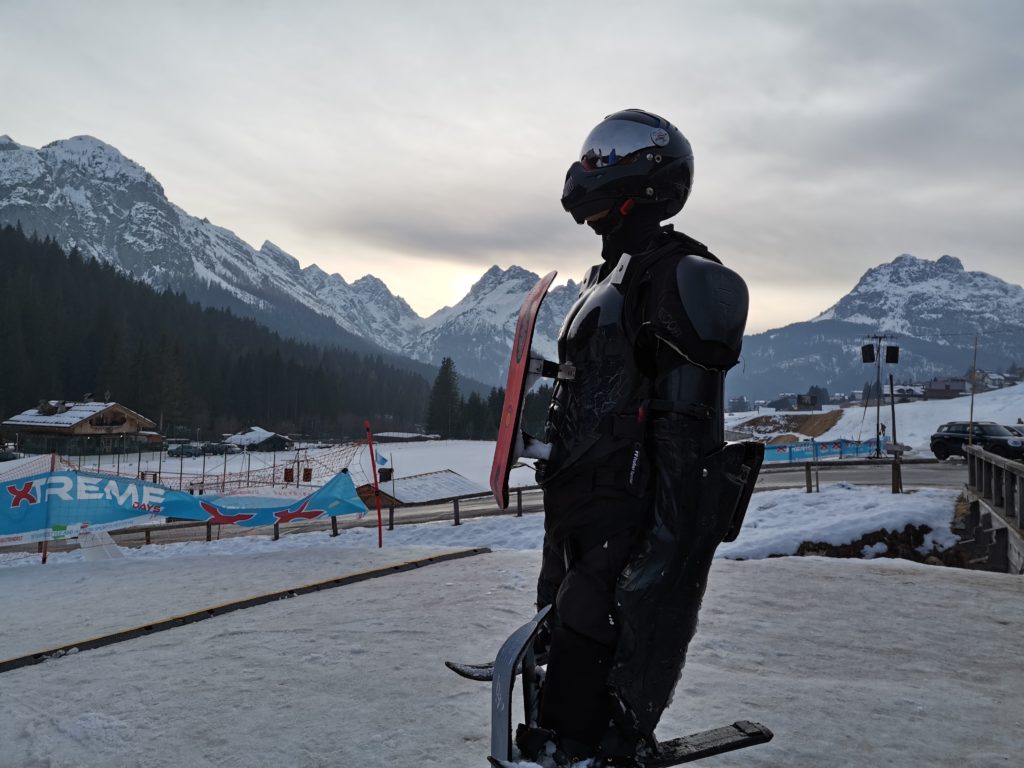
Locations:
951 437
185 450
1017 429
219 449
7 455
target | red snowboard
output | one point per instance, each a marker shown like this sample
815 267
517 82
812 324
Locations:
515 390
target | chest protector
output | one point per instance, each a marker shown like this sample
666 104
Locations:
595 414
655 333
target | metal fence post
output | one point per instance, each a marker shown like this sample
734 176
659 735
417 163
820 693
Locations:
391 517
277 531
807 476
334 525
209 531
519 502
455 504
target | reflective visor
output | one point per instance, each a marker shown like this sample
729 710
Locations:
613 140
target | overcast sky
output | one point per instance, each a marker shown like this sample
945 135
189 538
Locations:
424 142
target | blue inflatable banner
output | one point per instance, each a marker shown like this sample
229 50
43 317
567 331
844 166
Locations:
61 505
813 450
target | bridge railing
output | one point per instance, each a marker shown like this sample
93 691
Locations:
998 483
998 480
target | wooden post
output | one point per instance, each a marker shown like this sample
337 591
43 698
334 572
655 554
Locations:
897 475
209 531
1009 486
277 531
147 535
519 502
334 525
807 477
1020 501
455 504
391 517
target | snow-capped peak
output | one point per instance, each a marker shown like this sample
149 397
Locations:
96 158
928 299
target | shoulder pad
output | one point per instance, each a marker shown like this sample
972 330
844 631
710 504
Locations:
715 299
699 308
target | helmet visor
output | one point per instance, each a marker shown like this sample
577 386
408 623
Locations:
613 140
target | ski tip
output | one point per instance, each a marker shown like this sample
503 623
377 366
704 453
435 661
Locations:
753 730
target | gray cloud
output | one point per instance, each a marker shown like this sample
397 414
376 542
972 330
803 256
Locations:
829 136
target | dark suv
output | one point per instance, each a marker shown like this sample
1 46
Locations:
951 437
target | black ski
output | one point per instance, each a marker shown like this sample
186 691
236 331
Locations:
696 746
515 657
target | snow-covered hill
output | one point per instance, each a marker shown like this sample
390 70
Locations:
86 194
916 422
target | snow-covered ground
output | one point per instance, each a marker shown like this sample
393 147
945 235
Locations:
916 422
850 662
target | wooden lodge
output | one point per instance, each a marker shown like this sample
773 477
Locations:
81 428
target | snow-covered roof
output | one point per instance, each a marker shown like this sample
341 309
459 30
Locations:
252 436
70 415
430 486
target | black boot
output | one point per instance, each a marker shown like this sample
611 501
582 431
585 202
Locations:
575 702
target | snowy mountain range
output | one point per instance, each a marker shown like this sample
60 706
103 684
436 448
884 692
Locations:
86 194
932 310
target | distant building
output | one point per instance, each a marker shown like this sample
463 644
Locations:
259 439
904 393
946 389
739 404
402 437
417 489
81 428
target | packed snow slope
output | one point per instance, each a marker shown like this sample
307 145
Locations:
851 663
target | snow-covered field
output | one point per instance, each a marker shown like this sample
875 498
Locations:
915 422
850 662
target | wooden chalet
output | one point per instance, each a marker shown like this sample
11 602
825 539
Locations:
441 485
80 428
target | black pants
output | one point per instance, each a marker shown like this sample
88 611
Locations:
581 564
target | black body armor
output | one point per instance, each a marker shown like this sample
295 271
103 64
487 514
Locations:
651 340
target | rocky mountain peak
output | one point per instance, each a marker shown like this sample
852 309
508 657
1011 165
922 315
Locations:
95 158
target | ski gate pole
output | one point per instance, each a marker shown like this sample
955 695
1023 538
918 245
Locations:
376 486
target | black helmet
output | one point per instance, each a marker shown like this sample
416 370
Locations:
630 155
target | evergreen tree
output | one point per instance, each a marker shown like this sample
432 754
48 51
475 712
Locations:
820 393
443 410
69 326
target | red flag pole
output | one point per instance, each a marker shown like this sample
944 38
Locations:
376 487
